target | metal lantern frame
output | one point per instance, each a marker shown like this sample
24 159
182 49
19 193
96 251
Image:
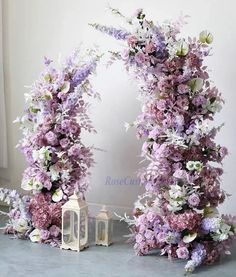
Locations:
105 218
75 206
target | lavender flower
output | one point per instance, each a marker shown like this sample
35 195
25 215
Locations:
111 31
83 72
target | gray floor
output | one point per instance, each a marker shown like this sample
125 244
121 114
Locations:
23 258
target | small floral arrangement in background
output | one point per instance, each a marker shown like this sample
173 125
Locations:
178 213
58 161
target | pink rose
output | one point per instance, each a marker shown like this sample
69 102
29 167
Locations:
149 48
140 57
132 40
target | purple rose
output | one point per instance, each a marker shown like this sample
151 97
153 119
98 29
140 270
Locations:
194 200
44 234
64 142
75 150
65 124
54 231
182 253
51 138
223 152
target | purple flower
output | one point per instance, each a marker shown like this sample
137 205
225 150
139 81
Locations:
223 152
65 124
83 72
182 253
51 138
140 57
75 150
64 142
44 234
54 231
194 200
183 89
111 31
47 61
211 224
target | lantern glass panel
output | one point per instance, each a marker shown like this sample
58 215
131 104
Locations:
70 223
101 230
83 222
110 229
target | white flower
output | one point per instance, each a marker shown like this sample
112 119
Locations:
37 185
17 120
206 37
57 195
177 191
176 197
27 184
190 237
65 175
54 173
190 165
60 154
194 165
35 235
175 206
66 87
43 154
198 166
127 126
20 225
28 97
172 137
181 48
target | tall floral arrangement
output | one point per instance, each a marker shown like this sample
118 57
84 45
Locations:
58 161
178 212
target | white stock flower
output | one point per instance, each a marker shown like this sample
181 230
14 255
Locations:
43 154
54 173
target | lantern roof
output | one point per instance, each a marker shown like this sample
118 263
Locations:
104 214
74 202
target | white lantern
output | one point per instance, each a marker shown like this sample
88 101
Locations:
104 228
74 224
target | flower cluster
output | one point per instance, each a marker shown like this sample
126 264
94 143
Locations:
178 104
58 161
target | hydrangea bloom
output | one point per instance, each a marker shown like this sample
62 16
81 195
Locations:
58 161
178 104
